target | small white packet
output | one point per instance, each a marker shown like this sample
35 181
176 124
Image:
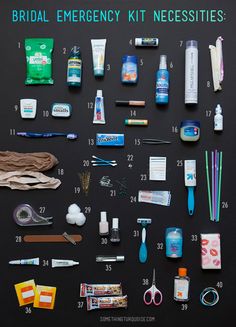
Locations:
162 198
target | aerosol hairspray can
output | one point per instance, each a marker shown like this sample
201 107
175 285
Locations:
191 72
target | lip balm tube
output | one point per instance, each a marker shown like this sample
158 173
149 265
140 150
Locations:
136 122
146 41
98 50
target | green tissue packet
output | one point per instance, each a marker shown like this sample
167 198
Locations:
39 61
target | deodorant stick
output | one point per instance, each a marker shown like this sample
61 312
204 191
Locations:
191 72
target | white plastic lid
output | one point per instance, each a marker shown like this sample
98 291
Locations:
120 258
103 216
163 62
115 222
191 44
99 93
218 109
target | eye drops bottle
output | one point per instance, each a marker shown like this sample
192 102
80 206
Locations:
74 67
218 119
115 232
181 286
162 82
191 72
103 224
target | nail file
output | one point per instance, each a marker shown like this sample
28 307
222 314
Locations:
50 238
190 183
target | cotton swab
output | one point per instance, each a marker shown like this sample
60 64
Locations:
208 184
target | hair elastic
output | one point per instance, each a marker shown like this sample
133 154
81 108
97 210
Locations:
213 292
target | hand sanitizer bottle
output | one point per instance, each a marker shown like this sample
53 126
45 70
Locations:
181 286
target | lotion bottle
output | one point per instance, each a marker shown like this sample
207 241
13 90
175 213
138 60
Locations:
162 82
218 119
191 72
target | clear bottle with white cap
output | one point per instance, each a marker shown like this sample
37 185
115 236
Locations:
115 231
103 224
191 72
218 119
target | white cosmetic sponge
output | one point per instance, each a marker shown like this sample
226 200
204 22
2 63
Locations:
74 209
71 219
80 219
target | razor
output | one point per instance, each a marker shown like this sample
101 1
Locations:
143 247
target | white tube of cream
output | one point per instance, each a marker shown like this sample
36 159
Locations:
63 263
33 261
98 51
99 114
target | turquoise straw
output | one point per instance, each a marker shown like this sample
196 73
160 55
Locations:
208 184
220 182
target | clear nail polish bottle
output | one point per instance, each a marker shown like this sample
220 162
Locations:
103 224
115 231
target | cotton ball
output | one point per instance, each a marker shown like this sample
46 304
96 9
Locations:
80 219
74 209
71 219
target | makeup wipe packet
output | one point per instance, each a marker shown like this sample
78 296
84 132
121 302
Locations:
39 61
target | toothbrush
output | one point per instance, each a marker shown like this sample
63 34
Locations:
143 247
69 136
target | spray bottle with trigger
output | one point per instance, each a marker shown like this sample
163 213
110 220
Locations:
143 247
190 183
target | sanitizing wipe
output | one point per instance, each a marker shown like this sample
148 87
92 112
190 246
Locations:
39 61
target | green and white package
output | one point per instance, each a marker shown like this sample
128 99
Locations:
39 61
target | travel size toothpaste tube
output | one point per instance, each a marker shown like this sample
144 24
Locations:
110 139
113 302
100 289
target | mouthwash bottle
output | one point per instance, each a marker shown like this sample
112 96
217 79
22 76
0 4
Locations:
162 82
74 67
181 286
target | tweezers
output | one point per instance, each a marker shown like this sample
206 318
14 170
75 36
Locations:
155 141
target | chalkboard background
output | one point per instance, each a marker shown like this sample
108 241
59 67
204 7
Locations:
72 154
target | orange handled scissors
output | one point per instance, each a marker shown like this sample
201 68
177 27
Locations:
153 294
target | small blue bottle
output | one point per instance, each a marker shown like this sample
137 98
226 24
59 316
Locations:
74 68
174 242
162 82
129 72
